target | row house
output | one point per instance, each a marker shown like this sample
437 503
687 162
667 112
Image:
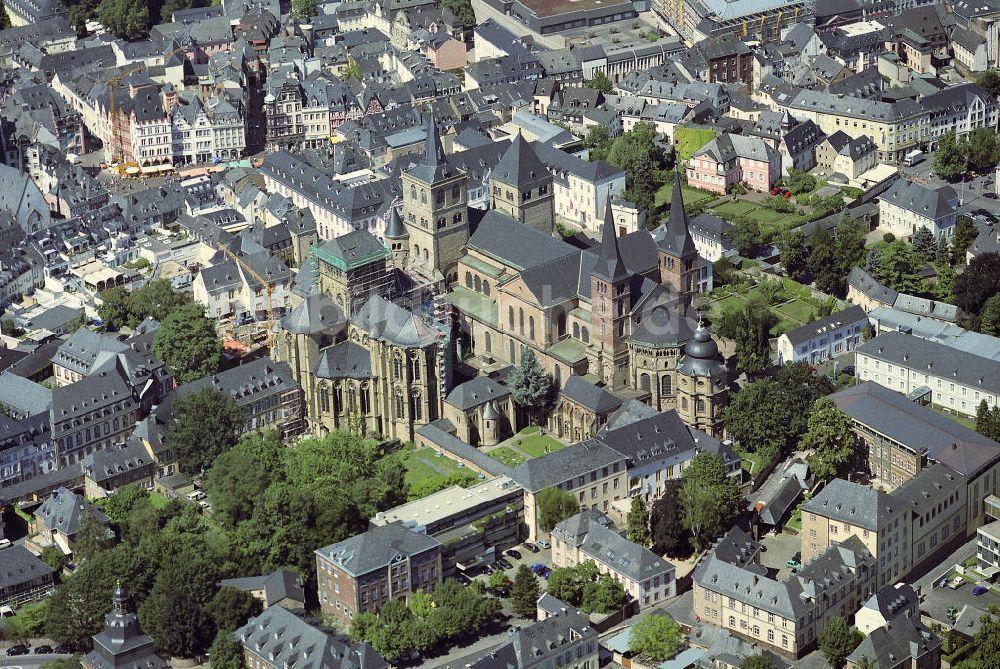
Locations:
203 132
731 159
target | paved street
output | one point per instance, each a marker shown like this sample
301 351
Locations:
28 661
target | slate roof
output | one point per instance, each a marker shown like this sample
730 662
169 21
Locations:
867 285
893 600
476 392
940 360
23 395
106 463
65 512
344 360
354 249
317 313
287 640
594 534
933 203
558 467
514 243
390 322
538 644
278 585
18 566
377 548
896 644
247 382
675 236
609 264
519 164
80 350
850 316
852 503
586 394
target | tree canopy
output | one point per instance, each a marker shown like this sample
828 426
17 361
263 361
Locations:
554 506
638 522
838 640
601 82
203 427
656 636
979 282
750 328
830 438
127 19
530 387
669 535
187 343
583 586
525 591
711 499
637 153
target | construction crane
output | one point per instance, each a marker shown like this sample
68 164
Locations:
116 129
268 289
744 27
762 36
777 27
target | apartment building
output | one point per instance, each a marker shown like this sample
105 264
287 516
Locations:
731 159
823 339
364 572
909 206
590 535
566 640
902 438
229 289
950 378
785 617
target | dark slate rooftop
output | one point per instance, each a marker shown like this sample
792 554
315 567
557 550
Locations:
377 548
586 394
476 392
850 316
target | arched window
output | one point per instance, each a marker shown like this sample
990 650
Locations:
416 408
644 382
512 358
520 320
700 406
585 335
423 196
558 374
486 288
468 280
324 399
397 367
479 285
416 251
487 342
413 192
576 330
352 398
510 318
415 369
561 325
427 255
666 387
531 328
399 404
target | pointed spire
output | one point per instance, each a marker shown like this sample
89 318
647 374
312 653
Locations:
519 164
433 153
395 229
609 265
675 237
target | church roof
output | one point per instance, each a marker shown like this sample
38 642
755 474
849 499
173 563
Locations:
519 164
609 264
674 237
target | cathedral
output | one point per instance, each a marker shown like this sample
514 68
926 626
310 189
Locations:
372 358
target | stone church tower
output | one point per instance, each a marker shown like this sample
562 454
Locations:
610 304
676 251
435 211
521 187
702 384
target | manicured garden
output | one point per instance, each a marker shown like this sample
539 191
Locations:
689 140
508 456
771 222
533 443
692 196
426 470
796 308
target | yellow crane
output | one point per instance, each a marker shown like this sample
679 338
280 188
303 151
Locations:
762 19
777 27
268 289
116 126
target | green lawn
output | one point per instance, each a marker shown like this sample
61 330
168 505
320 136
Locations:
690 140
508 456
961 419
157 499
691 196
732 208
535 445
423 464
796 310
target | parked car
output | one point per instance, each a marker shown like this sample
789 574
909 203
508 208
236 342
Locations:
531 547
543 544
539 567
792 564
545 574
43 650
990 195
504 564
510 552
979 590
956 583
64 649
19 649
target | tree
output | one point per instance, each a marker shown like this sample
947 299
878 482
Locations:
565 585
186 342
524 593
965 233
756 662
943 254
498 579
230 609
799 181
749 328
655 636
837 641
989 319
990 80
831 439
554 506
668 532
4 17
949 158
824 263
638 522
127 19
226 652
598 141
988 421
54 557
64 663
156 300
604 595
461 9
794 253
114 309
711 499
981 149
637 153
204 427
978 283
530 386
91 539
898 266
176 612
924 244
746 237
850 242
303 9
237 477
987 643
601 82
757 419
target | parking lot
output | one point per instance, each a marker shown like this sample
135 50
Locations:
543 556
779 549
